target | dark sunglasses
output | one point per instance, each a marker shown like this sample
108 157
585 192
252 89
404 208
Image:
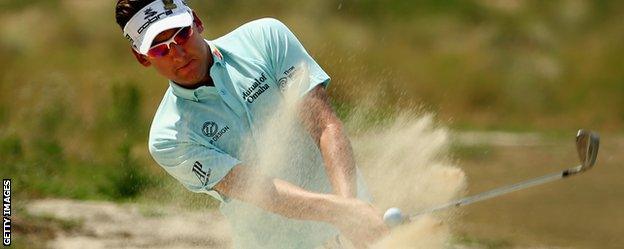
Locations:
180 38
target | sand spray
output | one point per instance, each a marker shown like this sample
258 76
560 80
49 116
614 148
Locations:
405 162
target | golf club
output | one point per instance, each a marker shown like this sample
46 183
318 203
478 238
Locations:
587 143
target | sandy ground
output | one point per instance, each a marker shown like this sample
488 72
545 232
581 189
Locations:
110 225
113 225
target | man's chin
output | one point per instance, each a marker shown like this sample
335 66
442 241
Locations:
188 84
189 81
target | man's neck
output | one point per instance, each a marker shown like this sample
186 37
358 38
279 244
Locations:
207 80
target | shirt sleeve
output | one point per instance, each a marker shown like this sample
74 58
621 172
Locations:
198 167
292 64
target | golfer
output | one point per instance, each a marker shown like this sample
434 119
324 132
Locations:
219 92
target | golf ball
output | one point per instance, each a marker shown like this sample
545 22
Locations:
393 217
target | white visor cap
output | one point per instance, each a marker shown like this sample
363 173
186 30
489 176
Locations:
155 18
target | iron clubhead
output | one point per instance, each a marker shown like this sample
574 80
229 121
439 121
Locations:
587 143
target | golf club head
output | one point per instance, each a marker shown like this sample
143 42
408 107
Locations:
587 143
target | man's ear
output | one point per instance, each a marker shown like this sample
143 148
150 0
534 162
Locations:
141 58
198 23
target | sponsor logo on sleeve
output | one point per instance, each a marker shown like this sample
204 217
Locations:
199 172
285 81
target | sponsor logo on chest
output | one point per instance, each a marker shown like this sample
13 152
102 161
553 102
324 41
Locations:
211 129
256 89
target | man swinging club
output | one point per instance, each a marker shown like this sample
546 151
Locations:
219 91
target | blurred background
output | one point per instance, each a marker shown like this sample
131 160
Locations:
75 107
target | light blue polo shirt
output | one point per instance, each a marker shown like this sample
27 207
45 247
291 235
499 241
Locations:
197 134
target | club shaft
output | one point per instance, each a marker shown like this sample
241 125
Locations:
502 190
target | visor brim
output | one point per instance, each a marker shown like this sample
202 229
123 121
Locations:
176 21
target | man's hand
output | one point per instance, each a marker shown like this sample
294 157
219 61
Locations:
361 223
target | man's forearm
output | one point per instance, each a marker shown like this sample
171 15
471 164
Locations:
338 159
328 132
294 202
280 197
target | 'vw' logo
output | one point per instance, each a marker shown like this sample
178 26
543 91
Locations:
210 128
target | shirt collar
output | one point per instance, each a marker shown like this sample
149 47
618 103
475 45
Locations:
184 93
217 56
193 94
